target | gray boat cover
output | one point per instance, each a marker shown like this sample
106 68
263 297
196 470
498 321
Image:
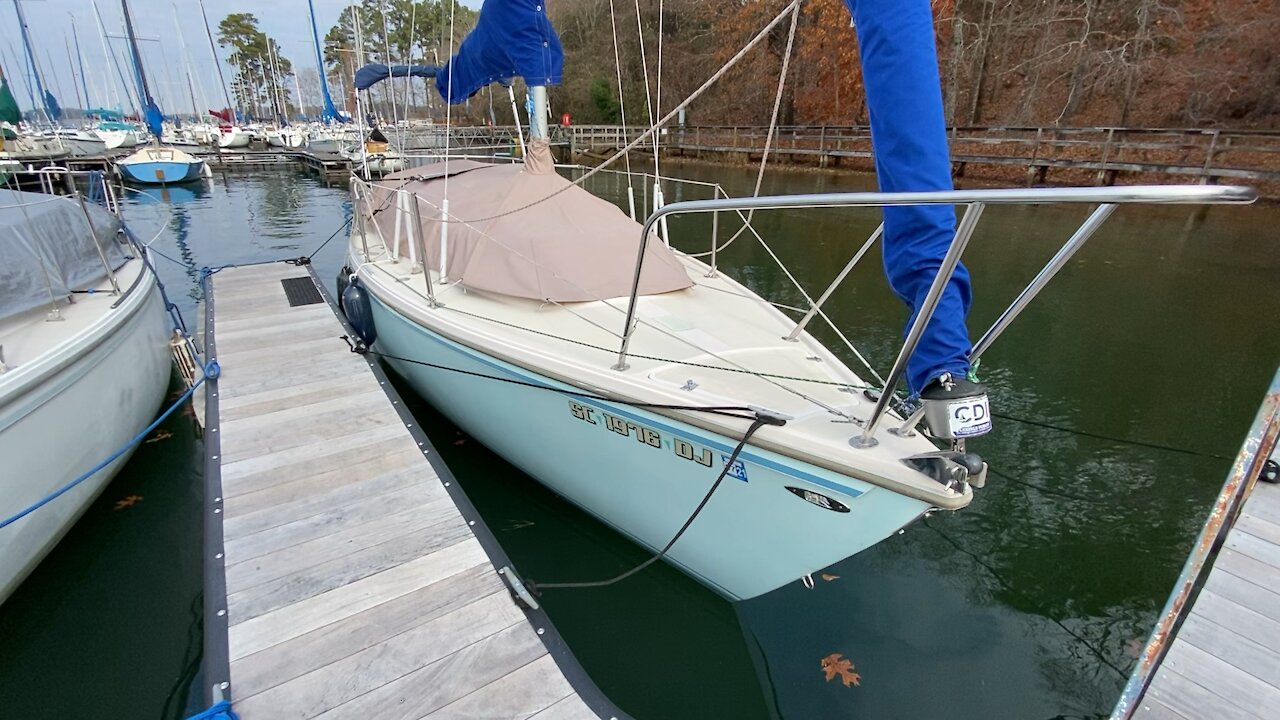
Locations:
550 240
46 247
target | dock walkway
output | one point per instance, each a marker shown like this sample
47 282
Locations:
1215 651
1224 662
347 573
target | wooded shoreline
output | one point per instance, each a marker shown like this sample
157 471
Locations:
1016 155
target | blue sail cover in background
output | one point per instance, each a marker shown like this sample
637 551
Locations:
104 113
909 138
329 113
374 73
51 106
150 112
511 38
154 118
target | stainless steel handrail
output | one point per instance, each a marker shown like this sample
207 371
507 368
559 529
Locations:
975 199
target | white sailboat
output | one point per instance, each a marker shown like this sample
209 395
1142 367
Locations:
80 372
646 386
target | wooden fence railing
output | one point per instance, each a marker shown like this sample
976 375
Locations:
1209 155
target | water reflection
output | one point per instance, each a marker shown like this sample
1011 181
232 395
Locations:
1033 601
1029 604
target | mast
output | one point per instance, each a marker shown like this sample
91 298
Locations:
111 59
31 60
186 61
217 63
151 112
84 78
298 89
75 84
327 113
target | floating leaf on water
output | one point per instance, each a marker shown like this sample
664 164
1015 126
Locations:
836 664
829 577
160 435
128 501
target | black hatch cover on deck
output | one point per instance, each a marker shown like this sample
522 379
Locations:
301 291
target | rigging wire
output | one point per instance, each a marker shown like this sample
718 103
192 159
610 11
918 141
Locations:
697 93
622 107
1097 652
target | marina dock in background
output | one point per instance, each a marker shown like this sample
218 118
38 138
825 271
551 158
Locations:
1215 651
346 570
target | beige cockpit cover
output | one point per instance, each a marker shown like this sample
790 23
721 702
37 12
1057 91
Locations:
572 247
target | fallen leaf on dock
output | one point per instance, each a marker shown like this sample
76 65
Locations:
129 501
160 435
836 664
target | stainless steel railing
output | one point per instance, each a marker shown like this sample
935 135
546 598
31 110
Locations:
1107 198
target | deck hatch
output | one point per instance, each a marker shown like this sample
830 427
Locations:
301 291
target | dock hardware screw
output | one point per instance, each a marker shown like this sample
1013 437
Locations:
226 685
471 522
217 499
540 631
221 613
218 556
217 510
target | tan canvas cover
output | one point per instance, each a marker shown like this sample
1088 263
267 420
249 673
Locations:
573 247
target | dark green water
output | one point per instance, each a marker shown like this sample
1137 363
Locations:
1031 603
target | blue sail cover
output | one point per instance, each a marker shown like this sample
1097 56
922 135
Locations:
374 73
51 106
329 113
909 138
150 112
511 38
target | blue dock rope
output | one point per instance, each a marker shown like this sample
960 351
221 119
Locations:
218 711
211 370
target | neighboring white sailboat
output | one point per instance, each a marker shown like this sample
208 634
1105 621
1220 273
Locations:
117 135
232 137
77 379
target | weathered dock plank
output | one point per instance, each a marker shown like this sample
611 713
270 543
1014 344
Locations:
1224 661
352 578
1215 649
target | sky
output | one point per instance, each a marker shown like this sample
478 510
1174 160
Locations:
50 24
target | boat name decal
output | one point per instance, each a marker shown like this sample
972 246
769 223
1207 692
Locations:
652 438
817 498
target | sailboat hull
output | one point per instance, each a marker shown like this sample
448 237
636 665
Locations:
772 521
162 173
53 430
161 165
234 139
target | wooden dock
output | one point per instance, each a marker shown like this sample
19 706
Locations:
1216 651
347 574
